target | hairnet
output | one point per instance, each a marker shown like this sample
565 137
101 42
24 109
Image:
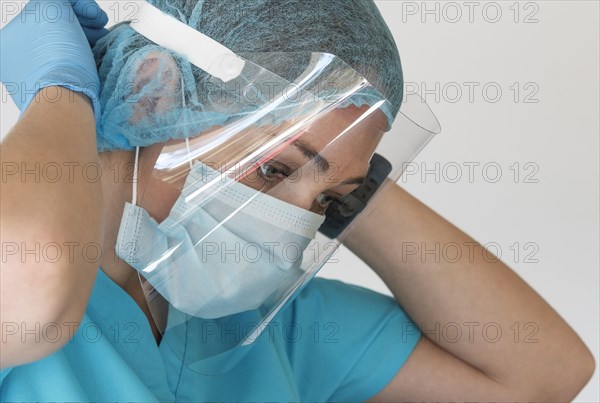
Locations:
353 30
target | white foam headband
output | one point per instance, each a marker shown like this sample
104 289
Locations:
200 50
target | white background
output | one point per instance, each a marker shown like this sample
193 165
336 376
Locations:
550 212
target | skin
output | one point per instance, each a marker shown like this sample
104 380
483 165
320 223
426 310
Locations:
306 181
57 128
479 290
556 368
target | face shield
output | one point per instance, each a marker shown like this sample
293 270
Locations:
257 187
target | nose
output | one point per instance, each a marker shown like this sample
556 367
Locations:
303 196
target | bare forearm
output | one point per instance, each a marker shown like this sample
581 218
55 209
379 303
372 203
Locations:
50 210
463 301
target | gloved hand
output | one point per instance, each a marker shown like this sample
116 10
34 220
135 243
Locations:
45 45
92 19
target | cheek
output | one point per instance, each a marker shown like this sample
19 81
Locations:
301 191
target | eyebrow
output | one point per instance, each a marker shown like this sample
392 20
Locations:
354 181
323 164
311 154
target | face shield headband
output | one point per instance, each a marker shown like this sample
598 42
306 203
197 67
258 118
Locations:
249 194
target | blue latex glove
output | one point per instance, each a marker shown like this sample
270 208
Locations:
92 19
45 45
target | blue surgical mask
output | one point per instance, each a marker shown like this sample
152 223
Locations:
226 254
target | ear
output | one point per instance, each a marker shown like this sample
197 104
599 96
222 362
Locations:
155 85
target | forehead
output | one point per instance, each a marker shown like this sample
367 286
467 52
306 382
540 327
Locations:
341 135
350 131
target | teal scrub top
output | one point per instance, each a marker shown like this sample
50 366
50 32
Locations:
334 342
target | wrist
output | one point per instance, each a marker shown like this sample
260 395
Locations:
65 81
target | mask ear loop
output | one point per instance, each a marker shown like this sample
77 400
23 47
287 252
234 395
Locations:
189 150
137 155
187 140
135 176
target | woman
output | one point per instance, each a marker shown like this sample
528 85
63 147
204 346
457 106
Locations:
377 353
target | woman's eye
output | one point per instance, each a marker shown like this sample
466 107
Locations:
325 200
271 171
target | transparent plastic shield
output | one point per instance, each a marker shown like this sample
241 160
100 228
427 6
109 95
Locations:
166 97
233 221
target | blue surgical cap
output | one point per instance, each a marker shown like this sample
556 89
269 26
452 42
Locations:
352 30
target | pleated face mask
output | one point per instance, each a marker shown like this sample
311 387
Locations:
225 255
253 181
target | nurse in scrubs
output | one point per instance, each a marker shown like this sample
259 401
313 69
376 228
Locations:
236 146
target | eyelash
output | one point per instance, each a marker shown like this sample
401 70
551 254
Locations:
280 168
323 199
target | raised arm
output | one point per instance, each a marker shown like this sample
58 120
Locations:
537 357
50 203
47 225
